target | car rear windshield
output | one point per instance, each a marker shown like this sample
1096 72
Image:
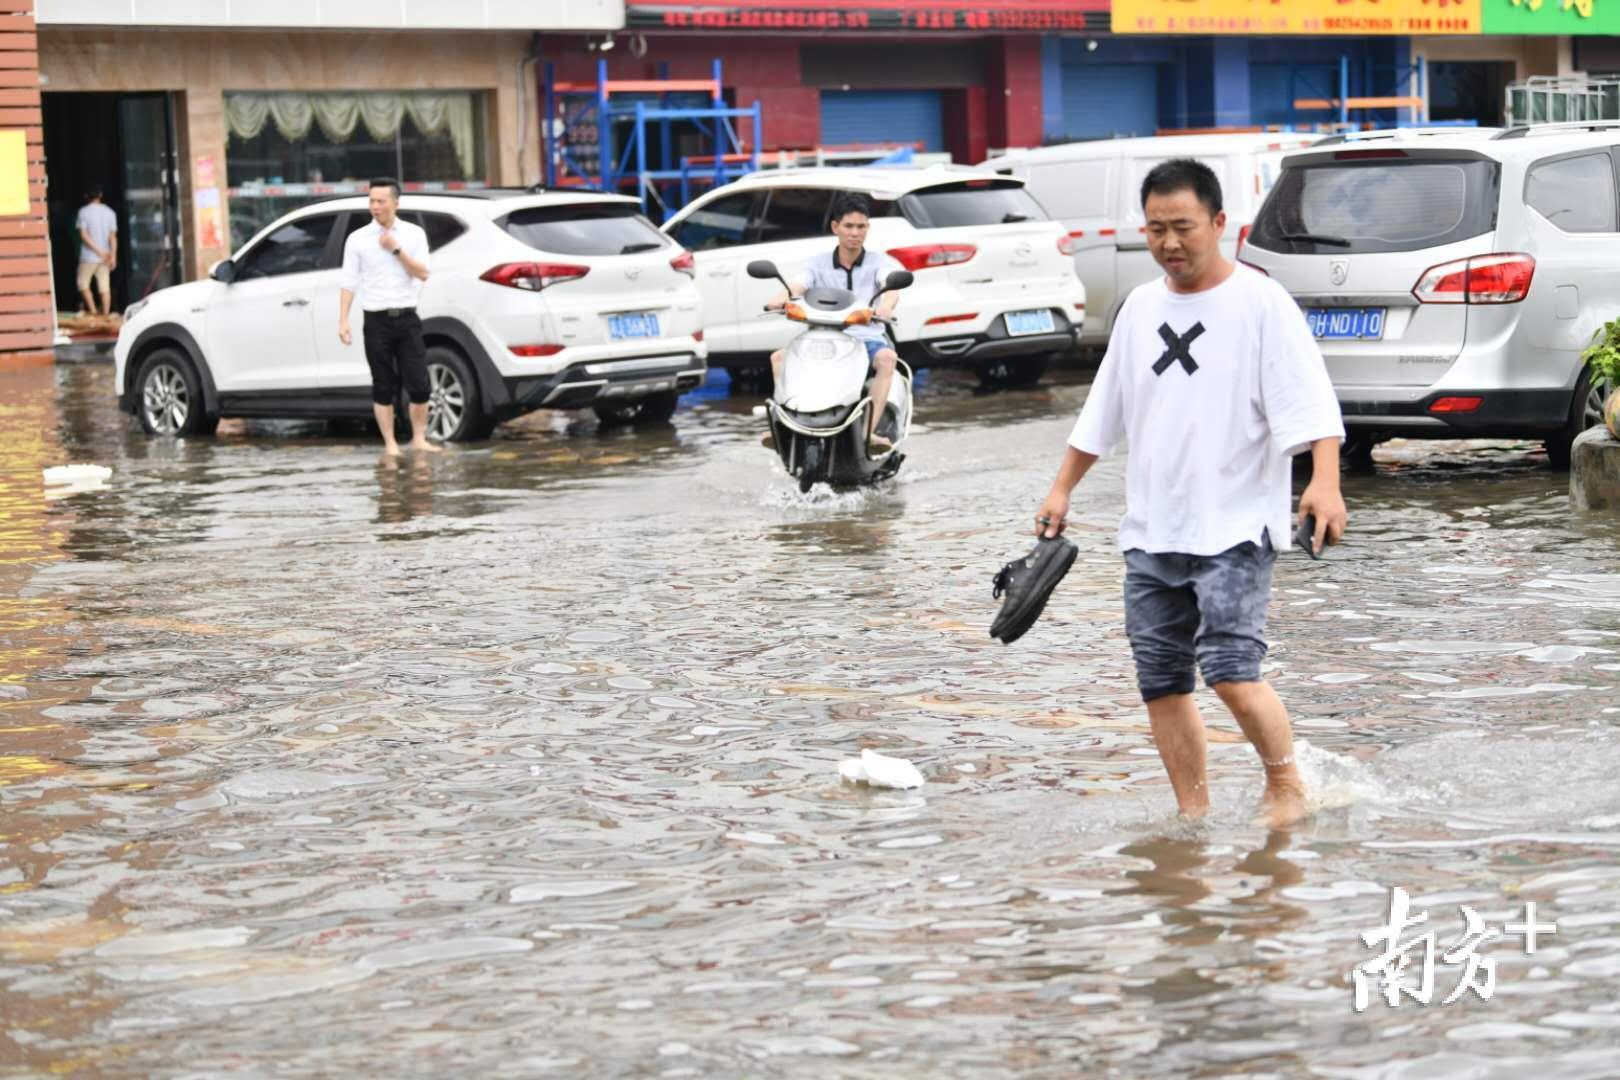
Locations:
972 202
584 229
1396 204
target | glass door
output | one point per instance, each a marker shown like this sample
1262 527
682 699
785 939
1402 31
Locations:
149 244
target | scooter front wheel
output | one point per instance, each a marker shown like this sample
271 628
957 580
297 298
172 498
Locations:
810 466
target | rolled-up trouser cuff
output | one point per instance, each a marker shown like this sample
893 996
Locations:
1226 659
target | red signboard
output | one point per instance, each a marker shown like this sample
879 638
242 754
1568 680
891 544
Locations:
984 16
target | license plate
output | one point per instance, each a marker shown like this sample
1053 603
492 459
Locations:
638 325
1020 323
1346 323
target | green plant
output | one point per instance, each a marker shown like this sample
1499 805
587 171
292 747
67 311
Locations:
1603 355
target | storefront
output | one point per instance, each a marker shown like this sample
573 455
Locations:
201 132
958 77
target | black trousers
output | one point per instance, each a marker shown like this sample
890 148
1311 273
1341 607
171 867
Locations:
397 356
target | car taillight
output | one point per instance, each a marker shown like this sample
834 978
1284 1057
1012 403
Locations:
938 320
926 256
1456 404
697 335
1069 244
1484 279
532 276
1243 234
535 350
684 263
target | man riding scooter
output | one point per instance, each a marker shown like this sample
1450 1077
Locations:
850 266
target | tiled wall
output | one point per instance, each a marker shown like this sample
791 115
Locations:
26 321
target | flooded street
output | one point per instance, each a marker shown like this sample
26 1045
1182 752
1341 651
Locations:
523 760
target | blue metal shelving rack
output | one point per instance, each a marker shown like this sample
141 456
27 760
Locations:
585 147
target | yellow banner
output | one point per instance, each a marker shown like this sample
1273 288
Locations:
1296 17
13 173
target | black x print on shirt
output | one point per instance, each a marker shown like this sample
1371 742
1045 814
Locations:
1175 348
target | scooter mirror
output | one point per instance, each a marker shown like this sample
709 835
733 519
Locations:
900 279
763 269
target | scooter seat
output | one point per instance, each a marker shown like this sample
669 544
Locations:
1024 585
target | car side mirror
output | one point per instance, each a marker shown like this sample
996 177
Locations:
900 279
224 271
763 269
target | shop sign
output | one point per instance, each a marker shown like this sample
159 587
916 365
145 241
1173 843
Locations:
1552 16
1303 16
994 16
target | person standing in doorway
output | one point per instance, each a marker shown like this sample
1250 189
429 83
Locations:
98 251
386 263
1213 380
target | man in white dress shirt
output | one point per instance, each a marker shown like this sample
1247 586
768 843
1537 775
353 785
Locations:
386 262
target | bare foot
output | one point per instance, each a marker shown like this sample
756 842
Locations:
390 450
1283 803
425 447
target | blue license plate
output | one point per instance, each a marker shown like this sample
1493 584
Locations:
639 325
1020 323
1346 323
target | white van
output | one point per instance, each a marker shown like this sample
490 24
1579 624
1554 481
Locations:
1094 189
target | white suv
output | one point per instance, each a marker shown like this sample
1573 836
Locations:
995 284
1453 279
535 300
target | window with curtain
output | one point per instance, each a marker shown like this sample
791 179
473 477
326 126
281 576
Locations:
281 145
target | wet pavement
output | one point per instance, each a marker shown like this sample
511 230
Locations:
523 760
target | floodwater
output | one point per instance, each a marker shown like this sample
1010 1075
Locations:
523 760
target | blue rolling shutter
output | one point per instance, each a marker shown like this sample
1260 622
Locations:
882 117
1102 100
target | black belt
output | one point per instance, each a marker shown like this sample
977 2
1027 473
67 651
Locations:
393 312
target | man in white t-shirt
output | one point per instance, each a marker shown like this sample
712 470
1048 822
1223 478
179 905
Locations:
386 263
850 266
1213 380
97 225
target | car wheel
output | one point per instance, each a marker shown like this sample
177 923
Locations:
652 409
1585 411
1357 454
455 413
169 395
1019 373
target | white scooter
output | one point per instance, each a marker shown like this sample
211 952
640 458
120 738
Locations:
819 413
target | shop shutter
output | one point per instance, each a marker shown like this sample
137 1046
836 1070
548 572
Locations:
882 118
1102 100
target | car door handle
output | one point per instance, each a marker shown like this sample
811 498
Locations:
296 302
719 273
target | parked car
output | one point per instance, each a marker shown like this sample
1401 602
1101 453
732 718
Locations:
1452 280
995 289
535 300
1094 189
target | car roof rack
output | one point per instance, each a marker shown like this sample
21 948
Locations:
1561 126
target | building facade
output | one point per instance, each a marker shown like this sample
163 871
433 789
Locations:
202 121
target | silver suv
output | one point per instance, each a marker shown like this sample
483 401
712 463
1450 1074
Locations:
1453 279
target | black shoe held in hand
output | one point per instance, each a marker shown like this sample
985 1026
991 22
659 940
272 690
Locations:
1024 584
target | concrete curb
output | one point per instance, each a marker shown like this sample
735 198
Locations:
1594 471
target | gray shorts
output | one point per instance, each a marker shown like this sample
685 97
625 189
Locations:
1205 608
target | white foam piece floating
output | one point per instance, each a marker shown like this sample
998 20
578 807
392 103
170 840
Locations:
879 771
76 474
